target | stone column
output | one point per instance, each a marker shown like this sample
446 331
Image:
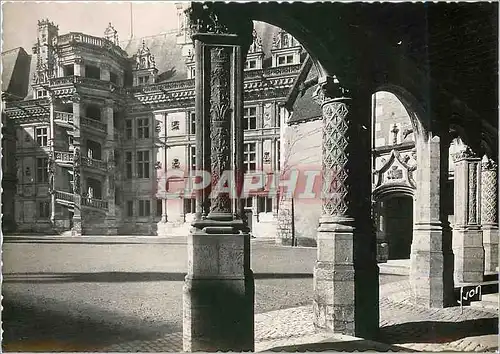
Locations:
77 170
52 167
489 213
219 285
467 234
79 67
346 272
380 223
431 258
109 183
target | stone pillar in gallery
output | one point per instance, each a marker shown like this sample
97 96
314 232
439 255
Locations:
218 293
467 234
431 256
77 169
489 213
346 288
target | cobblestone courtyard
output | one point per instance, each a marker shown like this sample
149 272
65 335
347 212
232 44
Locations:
127 296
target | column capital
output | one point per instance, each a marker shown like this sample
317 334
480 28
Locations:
76 98
465 154
330 89
488 164
219 19
78 60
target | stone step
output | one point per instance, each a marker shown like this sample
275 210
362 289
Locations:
488 302
395 267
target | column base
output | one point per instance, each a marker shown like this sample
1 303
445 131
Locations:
490 243
334 301
431 269
111 228
469 255
76 231
218 314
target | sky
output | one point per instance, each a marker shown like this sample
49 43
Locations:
20 19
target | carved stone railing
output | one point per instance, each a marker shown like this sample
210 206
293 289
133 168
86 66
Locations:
99 164
76 37
65 196
64 117
87 82
92 123
63 156
280 70
95 203
164 86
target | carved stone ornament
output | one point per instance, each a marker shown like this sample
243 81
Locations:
328 90
175 125
489 193
175 163
76 171
220 123
219 18
267 157
466 153
158 165
158 126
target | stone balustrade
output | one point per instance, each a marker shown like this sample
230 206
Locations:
63 117
63 156
77 37
65 196
95 124
99 164
95 203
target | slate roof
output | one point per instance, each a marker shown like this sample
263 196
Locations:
303 107
15 64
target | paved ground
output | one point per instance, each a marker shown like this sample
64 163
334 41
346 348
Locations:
105 296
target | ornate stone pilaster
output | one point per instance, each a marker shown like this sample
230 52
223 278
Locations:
219 287
467 234
52 167
109 182
489 213
105 72
431 258
346 272
77 171
79 67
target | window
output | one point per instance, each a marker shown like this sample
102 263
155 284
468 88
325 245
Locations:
130 208
265 204
285 60
192 156
143 164
249 202
70 140
251 64
92 72
128 164
250 118
192 123
143 128
113 78
249 157
144 207
189 205
42 172
43 209
41 93
128 129
143 80
41 136
159 207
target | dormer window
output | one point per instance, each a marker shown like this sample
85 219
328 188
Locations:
191 72
251 64
285 60
41 93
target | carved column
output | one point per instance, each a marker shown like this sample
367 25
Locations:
109 183
219 286
346 272
51 167
467 234
77 170
489 213
79 67
431 258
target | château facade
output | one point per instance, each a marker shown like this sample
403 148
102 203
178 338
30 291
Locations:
105 121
